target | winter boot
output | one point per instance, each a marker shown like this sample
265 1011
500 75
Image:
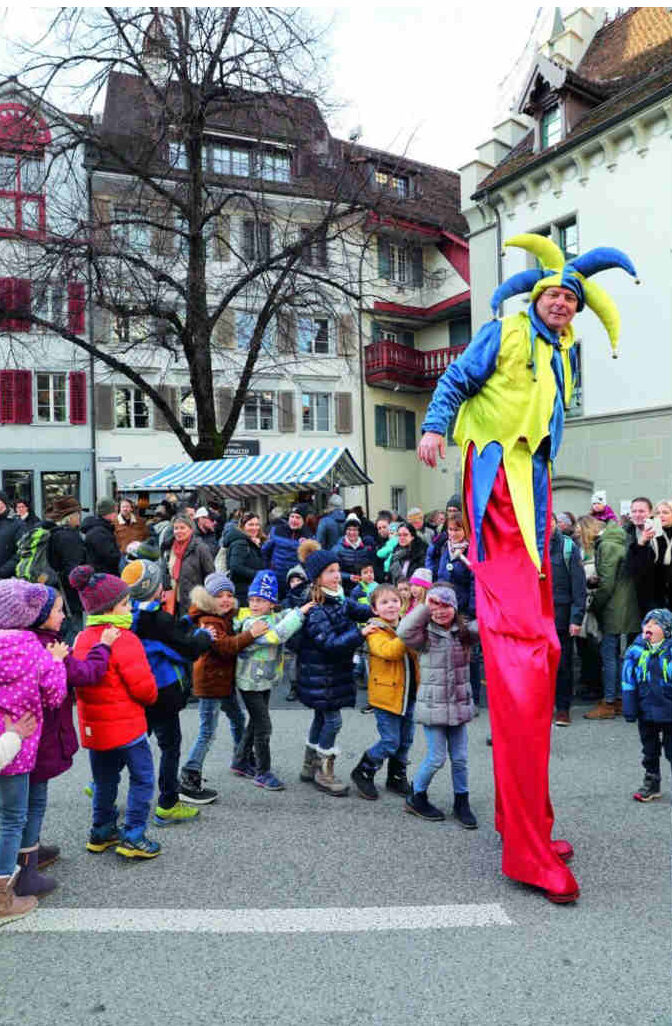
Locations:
311 761
325 779
397 780
463 813
418 805
192 791
362 777
649 790
602 711
46 854
12 907
29 881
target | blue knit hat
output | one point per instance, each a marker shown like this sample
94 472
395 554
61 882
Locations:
443 593
265 586
318 561
663 617
218 582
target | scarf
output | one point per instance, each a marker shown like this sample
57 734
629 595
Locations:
110 619
178 550
666 540
339 594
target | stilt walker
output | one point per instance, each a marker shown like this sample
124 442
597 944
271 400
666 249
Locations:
510 389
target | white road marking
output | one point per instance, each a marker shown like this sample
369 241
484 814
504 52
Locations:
257 920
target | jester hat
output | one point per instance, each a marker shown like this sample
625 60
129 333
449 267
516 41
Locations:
554 272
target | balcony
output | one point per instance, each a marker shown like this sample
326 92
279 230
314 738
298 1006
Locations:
390 365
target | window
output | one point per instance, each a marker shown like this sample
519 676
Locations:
258 411
398 264
273 167
398 500
58 482
49 303
315 407
51 398
394 427
227 159
245 325
396 183
130 228
131 408
551 127
22 201
314 251
187 409
256 240
576 405
568 238
127 330
177 155
18 485
313 335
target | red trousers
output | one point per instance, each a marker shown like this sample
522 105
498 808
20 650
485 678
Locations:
514 607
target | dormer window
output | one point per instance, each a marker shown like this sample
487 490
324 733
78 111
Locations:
551 127
395 182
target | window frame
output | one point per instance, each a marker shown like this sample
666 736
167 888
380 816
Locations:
311 406
185 392
18 197
398 262
49 490
133 402
51 389
311 348
254 401
550 127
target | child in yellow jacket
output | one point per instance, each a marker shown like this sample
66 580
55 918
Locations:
393 679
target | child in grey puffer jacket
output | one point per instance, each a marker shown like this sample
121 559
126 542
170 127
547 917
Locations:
444 703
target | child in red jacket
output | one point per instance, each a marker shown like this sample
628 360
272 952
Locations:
112 722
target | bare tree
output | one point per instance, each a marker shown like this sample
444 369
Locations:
209 113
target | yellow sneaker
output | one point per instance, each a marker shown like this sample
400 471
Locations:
179 812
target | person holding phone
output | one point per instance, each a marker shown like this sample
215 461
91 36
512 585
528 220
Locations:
640 532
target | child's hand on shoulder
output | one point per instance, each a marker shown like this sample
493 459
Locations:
307 607
24 726
58 651
258 628
109 636
369 628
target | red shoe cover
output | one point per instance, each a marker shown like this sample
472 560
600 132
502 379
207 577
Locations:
563 849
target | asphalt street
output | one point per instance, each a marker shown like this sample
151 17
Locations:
474 948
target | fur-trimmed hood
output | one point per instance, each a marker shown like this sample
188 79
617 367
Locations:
202 602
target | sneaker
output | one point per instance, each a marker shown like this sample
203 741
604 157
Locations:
366 709
269 781
242 768
562 718
102 839
602 711
177 813
141 848
192 790
649 790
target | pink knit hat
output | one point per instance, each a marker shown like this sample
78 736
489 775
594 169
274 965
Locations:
20 603
422 577
98 592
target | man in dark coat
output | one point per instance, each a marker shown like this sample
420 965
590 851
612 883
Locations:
639 559
102 551
331 526
569 602
205 530
11 529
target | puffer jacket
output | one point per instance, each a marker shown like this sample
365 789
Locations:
330 528
244 559
29 680
647 681
413 554
614 599
392 669
328 641
102 551
296 597
280 550
214 672
11 529
112 713
444 696
350 560
259 667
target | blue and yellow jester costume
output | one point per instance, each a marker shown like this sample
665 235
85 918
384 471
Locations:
509 390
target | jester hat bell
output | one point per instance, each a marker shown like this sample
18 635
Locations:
554 272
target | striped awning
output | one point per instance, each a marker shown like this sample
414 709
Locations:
274 473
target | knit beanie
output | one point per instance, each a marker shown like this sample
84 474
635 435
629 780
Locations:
98 593
147 549
334 502
20 603
598 497
455 502
143 578
47 607
265 586
351 519
218 582
105 506
296 571
443 593
318 561
663 617
421 576
183 518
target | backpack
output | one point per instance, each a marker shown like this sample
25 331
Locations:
32 550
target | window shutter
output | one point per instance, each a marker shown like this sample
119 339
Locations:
286 332
264 242
169 393
381 426
224 403
77 381
417 265
376 331
22 308
6 303
101 221
76 307
286 421
103 398
384 263
7 396
409 417
343 402
223 237
16 397
162 238
224 331
101 325
321 251
249 227
347 344
407 338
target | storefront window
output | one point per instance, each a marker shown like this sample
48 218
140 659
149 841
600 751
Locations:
59 482
18 484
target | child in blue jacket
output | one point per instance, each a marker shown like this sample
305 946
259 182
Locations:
647 696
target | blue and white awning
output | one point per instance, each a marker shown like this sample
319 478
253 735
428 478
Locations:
274 473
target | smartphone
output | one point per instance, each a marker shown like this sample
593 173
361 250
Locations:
654 524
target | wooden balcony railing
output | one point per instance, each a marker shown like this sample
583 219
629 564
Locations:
389 363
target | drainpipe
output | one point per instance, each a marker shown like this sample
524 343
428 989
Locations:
360 349
91 338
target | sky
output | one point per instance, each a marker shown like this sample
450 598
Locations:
424 81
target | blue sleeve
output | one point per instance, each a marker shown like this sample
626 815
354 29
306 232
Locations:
464 378
629 688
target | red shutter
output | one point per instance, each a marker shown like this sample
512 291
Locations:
16 397
6 392
6 308
76 306
77 397
15 304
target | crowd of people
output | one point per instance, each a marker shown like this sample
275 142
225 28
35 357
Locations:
122 615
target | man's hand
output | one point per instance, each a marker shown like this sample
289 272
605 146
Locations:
24 726
575 630
431 443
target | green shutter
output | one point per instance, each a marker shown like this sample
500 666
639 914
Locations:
407 338
409 417
416 262
376 331
381 426
383 258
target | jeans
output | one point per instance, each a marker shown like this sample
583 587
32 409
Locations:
610 650
564 682
324 729
106 769
442 741
257 736
208 711
655 737
166 728
37 806
13 816
396 736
